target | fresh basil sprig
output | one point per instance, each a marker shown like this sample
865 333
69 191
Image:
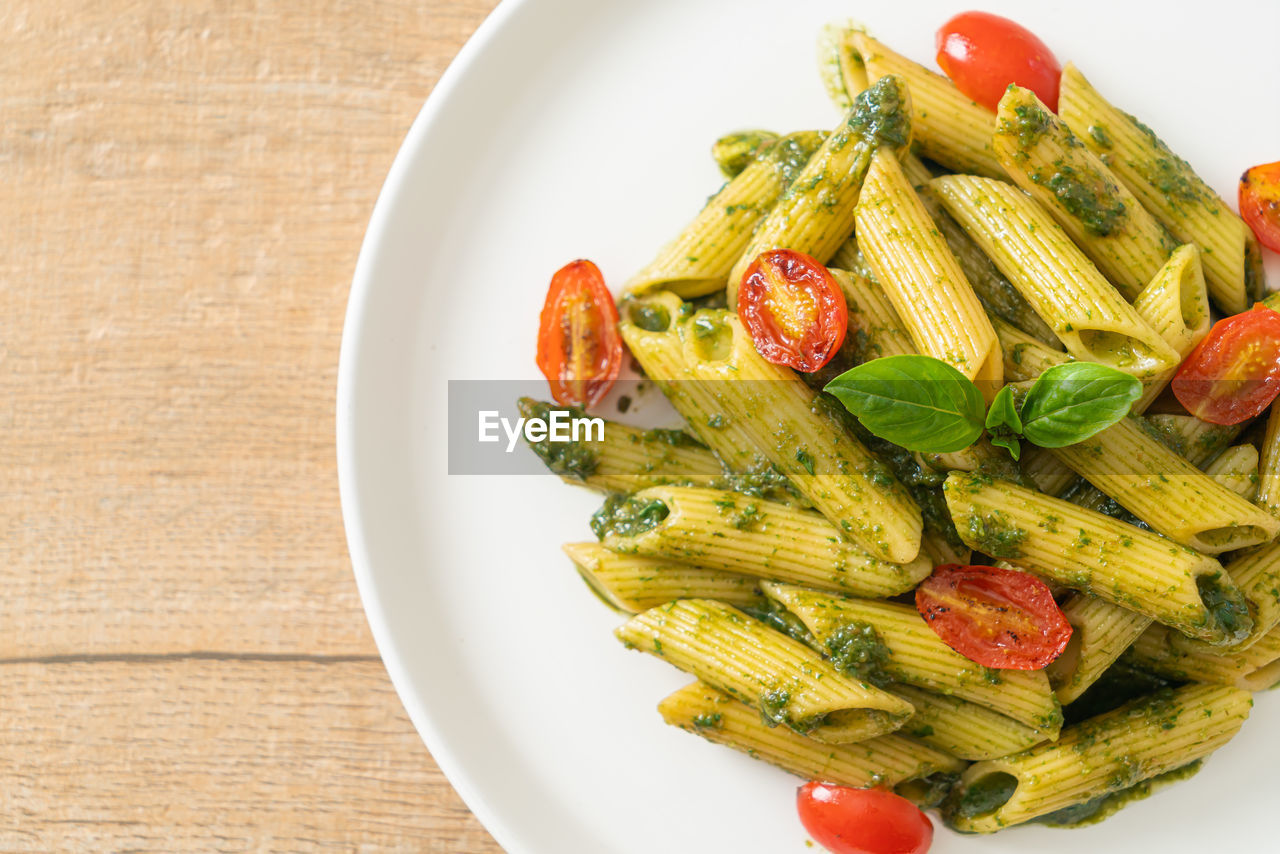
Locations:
1004 425
924 404
920 403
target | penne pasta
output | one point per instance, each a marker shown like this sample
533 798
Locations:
1088 315
1166 491
1102 755
914 655
1168 187
633 584
736 533
1096 554
815 214
949 127
754 414
1100 215
884 761
698 260
921 278
786 681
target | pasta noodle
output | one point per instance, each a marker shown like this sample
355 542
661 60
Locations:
785 680
815 214
727 531
711 372
698 261
1094 553
1099 756
1166 186
1091 319
634 584
884 761
920 276
1101 216
916 656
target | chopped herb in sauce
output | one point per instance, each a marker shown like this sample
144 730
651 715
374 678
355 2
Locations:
856 649
994 534
568 459
626 516
1088 196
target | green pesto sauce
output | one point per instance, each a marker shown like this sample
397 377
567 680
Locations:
649 316
856 649
993 534
1226 606
1100 136
674 438
1120 684
625 516
744 518
1169 173
1030 123
792 152
760 481
1165 435
805 459
568 459
921 481
773 707
733 152
880 115
777 617
928 792
1094 811
705 326
711 721
1087 196
984 796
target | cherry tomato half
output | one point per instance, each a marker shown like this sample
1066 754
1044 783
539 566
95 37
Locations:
1260 203
579 349
996 617
983 53
862 821
1234 373
793 309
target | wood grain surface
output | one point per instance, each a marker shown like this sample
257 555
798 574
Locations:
184 661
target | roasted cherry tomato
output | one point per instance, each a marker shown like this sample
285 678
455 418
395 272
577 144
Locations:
862 821
793 309
996 617
983 53
579 349
1234 373
1260 203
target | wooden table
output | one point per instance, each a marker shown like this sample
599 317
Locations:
183 190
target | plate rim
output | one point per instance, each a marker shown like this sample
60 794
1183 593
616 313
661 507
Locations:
350 347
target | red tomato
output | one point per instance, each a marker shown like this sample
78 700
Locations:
862 821
1234 373
793 309
983 53
579 349
996 617
1260 203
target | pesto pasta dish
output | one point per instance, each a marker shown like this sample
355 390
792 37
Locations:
975 502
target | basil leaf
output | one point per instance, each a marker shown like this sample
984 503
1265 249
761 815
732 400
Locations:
1003 422
1071 402
1003 414
918 402
1010 443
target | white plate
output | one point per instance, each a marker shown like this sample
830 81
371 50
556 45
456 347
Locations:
580 128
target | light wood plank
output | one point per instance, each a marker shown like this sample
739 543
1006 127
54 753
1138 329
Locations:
182 755
185 190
